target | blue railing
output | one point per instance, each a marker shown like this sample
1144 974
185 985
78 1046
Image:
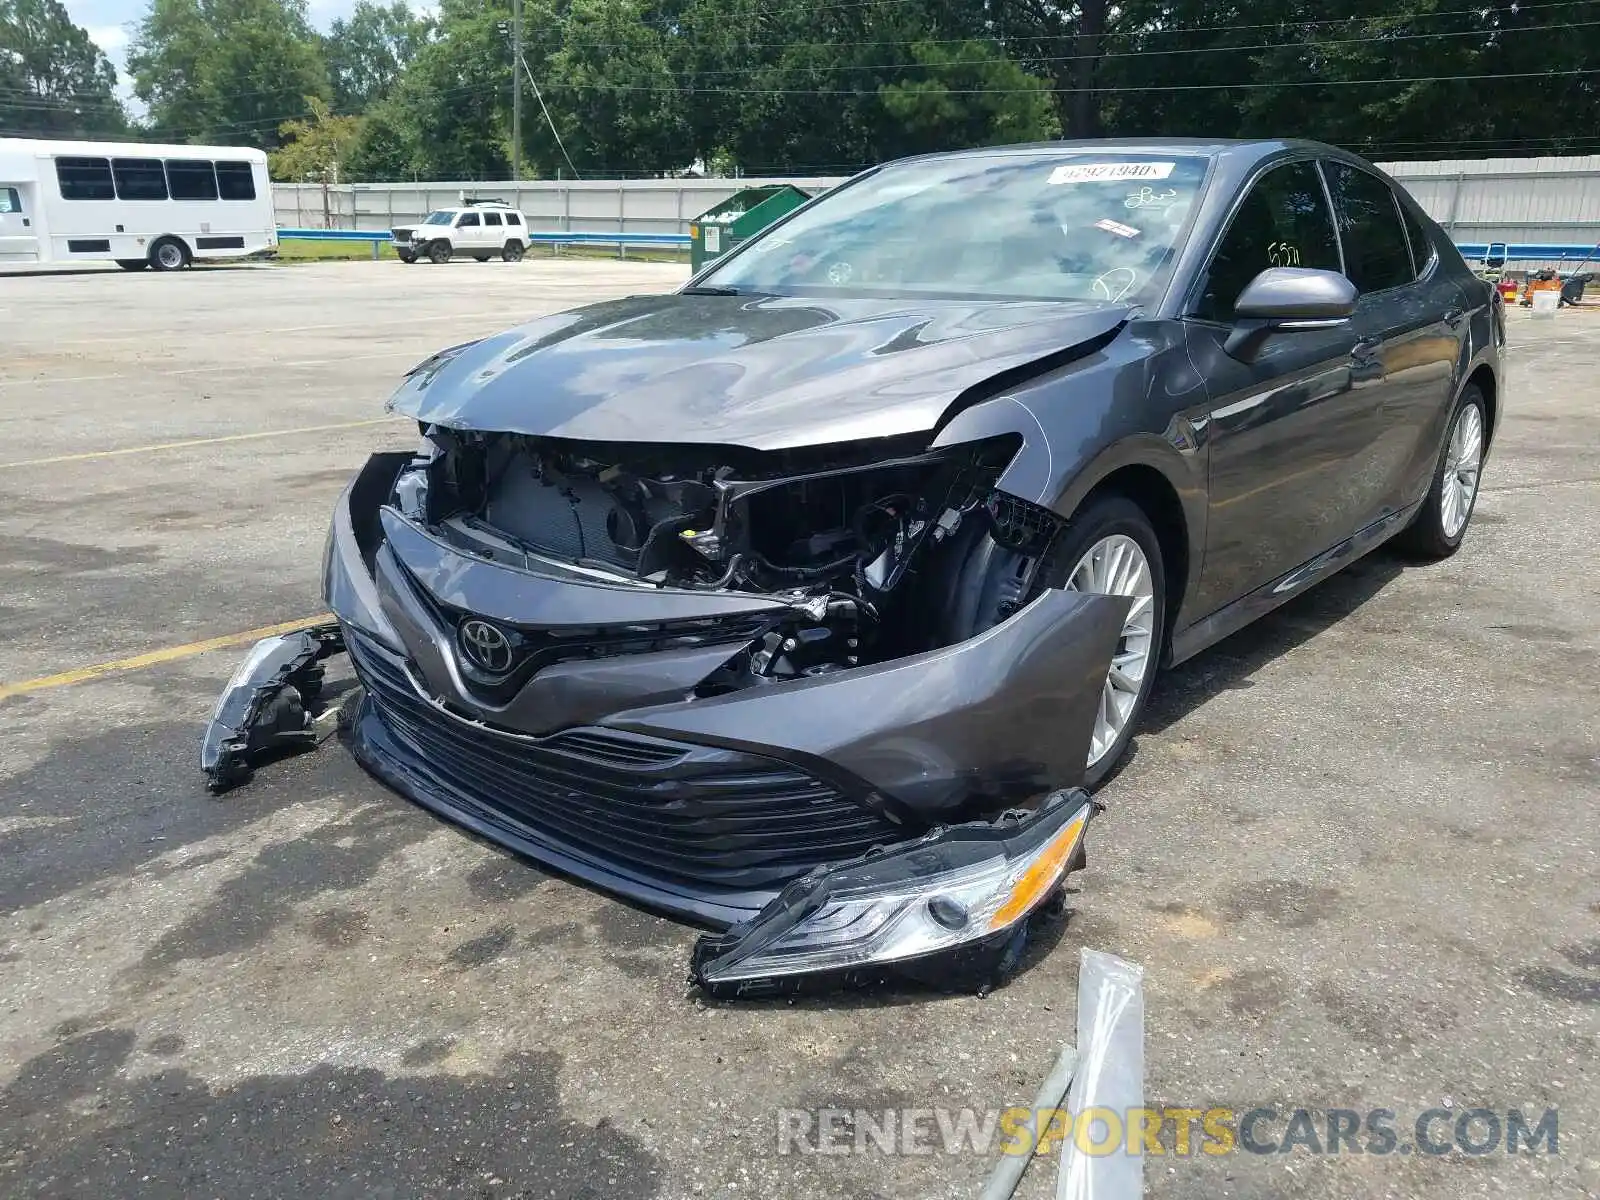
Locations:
675 241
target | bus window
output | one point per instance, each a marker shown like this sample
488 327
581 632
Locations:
139 178
236 181
85 179
191 179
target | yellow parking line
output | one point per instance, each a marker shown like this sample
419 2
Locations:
155 657
211 441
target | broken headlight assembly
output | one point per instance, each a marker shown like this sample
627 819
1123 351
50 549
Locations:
952 906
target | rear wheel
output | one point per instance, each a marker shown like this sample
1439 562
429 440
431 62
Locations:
439 252
133 264
512 252
169 254
1440 525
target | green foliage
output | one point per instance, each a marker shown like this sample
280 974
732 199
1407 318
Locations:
54 81
314 150
632 87
226 70
369 51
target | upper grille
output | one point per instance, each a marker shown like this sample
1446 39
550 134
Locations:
664 809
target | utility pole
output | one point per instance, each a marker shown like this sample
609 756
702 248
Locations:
516 89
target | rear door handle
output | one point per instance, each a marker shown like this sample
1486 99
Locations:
1454 316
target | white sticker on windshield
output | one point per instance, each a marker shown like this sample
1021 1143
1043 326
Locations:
1116 227
1097 172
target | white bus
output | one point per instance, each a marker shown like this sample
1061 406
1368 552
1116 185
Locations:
132 203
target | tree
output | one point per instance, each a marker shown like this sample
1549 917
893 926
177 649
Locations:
973 96
226 70
313 150
368 52
54 81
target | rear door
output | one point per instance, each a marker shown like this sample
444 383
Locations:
19 235
1409 327
1283 426
494 233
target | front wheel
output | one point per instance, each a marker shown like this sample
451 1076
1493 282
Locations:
512 252
439 253
1440 525
405 256
1110 548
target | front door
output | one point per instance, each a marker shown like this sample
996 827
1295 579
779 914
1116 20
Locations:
469 232
19 233
1285 427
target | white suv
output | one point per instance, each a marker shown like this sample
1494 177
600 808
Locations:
479 229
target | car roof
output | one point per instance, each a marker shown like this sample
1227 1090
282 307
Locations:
1234 148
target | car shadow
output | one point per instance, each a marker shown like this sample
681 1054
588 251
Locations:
1229 665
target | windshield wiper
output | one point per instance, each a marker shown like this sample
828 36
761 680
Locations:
708 290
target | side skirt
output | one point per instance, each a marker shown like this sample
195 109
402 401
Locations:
1211 630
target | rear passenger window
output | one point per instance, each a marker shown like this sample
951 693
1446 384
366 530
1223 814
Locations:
491 218
1282 222
1417 235
1375 252
191 179
85 179
513 218
139 178
236 181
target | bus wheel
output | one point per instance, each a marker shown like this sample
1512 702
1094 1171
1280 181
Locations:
169 254
133 264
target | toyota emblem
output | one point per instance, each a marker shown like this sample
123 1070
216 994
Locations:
486 646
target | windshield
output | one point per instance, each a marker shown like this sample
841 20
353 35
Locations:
439 218
1045 226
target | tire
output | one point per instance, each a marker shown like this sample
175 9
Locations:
169 254
994 582
439 253
1439 527
133 264
405 256
512 252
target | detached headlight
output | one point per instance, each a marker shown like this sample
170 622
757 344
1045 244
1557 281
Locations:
957 889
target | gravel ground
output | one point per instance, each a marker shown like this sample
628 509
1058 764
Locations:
1356 848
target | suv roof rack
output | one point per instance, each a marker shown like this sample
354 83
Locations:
480 201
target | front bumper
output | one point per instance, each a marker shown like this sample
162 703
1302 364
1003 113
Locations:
598 766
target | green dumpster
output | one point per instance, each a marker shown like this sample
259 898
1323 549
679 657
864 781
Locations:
738 218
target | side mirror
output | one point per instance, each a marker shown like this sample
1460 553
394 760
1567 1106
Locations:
1288 298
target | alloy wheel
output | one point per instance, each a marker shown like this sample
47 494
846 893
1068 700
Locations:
1462 462
1116 566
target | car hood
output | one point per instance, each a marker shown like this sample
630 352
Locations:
762 372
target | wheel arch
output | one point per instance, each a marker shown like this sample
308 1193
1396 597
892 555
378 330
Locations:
1161 498
1488 385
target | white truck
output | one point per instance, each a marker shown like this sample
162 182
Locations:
480 229
133 203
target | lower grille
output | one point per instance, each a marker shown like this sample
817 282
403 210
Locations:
663 809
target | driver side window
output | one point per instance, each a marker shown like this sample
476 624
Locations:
1283 222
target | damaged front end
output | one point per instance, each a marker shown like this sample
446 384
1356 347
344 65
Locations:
695 675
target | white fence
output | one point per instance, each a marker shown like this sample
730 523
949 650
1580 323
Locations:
1553 200
586 206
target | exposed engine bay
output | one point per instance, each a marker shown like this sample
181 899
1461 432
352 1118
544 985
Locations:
836 533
